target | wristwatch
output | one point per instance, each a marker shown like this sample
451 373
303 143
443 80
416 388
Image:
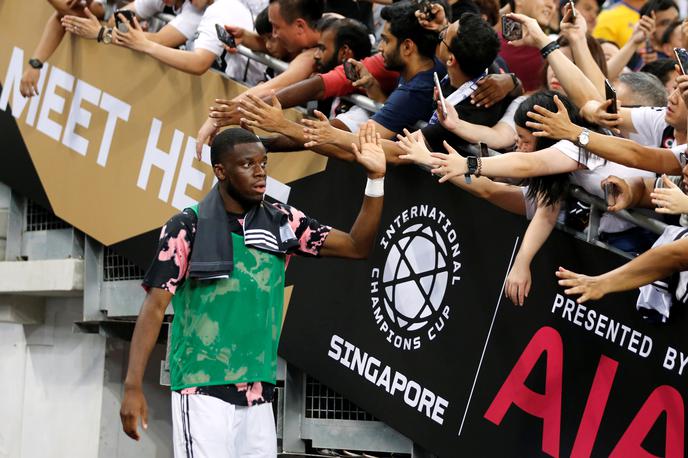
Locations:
35 63
584 138
107 36
472 164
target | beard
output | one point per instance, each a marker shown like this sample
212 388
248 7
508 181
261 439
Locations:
393 61
324 67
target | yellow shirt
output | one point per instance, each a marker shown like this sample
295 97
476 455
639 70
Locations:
616 24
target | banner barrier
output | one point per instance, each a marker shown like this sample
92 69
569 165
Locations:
422 337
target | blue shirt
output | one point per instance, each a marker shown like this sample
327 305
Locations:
411 101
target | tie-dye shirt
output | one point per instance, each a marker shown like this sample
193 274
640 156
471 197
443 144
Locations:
225 332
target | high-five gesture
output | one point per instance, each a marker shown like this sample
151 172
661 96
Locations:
448 165
414 147
589 288
256 113
553 125
369 152
321 132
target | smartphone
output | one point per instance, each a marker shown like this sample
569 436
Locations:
350 71
484 151
511 30
128 14
442 103
610 94
610 193
572 17
425 7
682 59
224 36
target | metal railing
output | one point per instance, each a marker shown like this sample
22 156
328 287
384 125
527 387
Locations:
600 206
362 101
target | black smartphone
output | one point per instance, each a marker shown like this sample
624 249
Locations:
128 14
224 36
572 17
484 151
350 71
511 30
425 7
610 193
682 59
610 94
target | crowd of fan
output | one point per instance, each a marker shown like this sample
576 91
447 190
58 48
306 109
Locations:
539 102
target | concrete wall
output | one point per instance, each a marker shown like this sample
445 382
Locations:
4 215
156 442
51 386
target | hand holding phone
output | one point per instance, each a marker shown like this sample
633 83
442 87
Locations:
441 102
610 194
572 16
610 94
511 29
224 36
682 59
351 71
128 15
425 7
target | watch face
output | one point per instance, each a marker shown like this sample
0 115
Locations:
35 63
472 163
584 138
107 38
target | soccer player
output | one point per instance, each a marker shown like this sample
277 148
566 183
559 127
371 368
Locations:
221 263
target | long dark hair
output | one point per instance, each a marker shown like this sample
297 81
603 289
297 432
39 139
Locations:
547 190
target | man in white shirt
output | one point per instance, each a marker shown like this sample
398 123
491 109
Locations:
207 47
661 127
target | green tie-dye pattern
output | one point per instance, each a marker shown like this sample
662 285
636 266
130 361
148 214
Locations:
227 330
198 378
207 329
237 374
230 286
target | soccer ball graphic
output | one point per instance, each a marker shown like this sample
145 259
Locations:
415 277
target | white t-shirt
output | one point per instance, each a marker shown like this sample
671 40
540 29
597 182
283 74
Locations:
596 170
255 6
148 8
649 124
677 150
186 22
229 12
510 113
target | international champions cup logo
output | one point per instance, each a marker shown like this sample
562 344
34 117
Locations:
421 264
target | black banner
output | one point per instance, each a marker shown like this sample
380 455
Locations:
421 336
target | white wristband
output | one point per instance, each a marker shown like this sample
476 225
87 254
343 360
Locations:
375 187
